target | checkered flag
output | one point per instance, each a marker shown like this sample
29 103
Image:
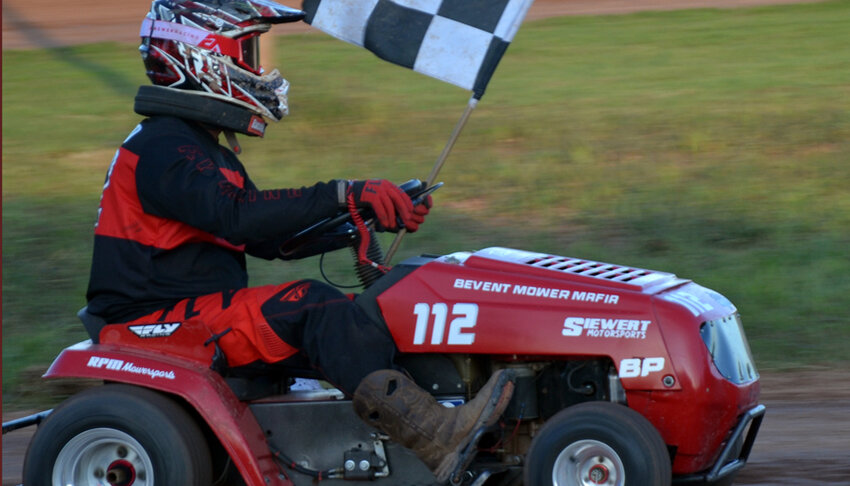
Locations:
457 41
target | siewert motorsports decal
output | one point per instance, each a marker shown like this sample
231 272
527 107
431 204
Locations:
128 367
605 328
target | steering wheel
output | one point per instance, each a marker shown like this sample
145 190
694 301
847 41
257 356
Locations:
339 231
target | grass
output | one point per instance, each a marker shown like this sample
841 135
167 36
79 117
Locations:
708 143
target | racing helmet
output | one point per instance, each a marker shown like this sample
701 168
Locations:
212 47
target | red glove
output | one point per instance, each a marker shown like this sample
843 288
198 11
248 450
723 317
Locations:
386 199
419 213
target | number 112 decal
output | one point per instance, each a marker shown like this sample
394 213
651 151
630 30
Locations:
465 316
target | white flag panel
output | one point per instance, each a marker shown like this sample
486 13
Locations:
457 41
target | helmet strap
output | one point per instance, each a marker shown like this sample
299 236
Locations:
193 105
231 140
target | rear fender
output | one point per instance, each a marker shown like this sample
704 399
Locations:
206 391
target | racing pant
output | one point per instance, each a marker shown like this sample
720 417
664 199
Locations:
277 323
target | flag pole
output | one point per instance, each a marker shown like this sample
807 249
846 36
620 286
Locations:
441 160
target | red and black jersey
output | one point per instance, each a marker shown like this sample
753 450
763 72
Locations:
177 215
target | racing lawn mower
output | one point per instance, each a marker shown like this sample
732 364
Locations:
622 376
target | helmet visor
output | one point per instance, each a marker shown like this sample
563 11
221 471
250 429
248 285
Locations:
244 50
249 52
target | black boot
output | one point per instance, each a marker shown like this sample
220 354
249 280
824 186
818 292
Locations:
443 438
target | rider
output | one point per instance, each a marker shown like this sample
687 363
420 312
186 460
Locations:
179 213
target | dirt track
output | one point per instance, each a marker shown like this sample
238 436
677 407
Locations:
805 437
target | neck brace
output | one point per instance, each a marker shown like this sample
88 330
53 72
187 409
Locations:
192 105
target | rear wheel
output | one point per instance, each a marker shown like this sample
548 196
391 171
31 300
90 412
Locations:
118 435
597 443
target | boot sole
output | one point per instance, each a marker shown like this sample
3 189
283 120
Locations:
455 463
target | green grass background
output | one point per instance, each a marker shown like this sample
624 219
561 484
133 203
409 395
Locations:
709 143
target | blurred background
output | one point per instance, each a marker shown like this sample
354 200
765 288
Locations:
710 143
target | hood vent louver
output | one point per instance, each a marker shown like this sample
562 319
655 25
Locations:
589 268
576 269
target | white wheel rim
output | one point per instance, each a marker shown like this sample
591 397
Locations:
588 463
100 457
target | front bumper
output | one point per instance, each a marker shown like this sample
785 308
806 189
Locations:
730 459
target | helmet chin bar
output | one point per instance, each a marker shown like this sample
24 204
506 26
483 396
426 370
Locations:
268 92
196 106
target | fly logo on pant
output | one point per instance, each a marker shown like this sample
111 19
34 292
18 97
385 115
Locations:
465 318
296 293
154 330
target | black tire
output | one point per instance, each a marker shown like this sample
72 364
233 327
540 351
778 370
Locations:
122 433
597 443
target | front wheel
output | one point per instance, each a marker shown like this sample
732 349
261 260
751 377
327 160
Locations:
597 443
118 435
